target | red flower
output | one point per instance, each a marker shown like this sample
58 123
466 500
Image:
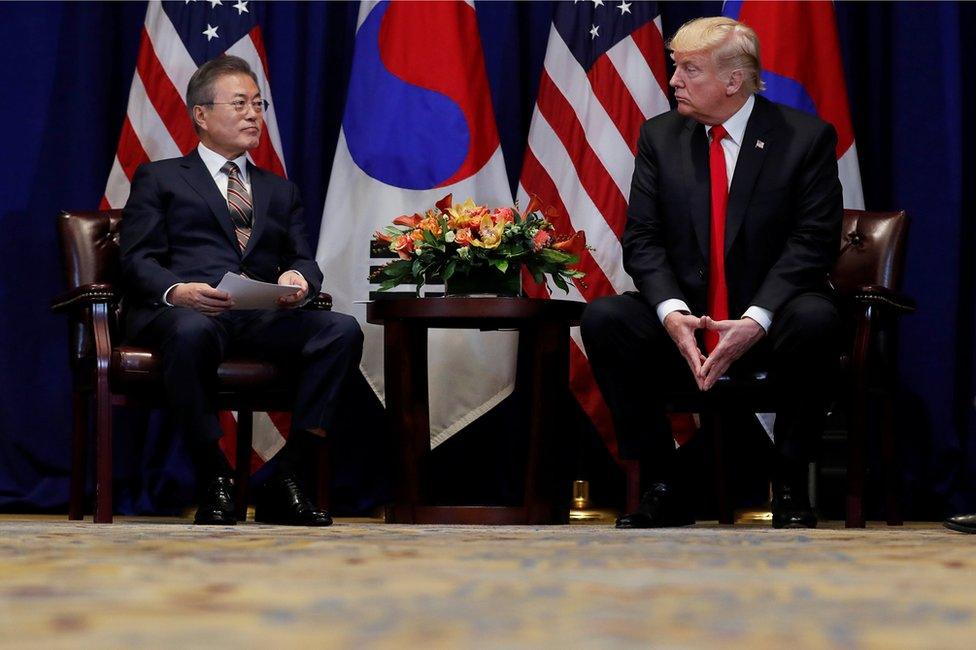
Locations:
382 236
444 204
502 215
574 245
541 240
463 236
409 221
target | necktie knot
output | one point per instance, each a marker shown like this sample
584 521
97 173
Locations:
231 169
718 133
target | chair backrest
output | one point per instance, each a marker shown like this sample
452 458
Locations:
90 245
872 251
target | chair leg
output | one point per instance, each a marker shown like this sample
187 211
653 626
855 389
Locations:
632 477
245 434
856 431
103 455
323 474
889 457
726 513
79 456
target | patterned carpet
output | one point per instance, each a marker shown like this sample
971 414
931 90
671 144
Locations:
163 583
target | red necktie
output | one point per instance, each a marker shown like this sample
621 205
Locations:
718 292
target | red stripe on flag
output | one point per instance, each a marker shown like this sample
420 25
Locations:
651 44
584 388
617 101
104 204
130 153
592 174
536 180
164 96
258 39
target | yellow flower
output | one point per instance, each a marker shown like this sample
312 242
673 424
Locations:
460 215
490 233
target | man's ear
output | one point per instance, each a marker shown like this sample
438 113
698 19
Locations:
734 83
198 117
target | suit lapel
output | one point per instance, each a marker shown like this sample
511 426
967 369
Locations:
752 154
196 174
260 197
694 146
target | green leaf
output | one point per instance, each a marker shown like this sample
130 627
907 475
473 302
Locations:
501 265
449 270
558 279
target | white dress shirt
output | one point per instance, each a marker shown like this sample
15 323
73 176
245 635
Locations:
736 128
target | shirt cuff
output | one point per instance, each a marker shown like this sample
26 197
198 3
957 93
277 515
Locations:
762 316
166 295
665 307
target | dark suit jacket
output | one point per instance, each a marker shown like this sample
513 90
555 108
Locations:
176 227
783 220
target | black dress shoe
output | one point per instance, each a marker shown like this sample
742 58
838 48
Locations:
659 508
216 503
961 523
283 502
791 505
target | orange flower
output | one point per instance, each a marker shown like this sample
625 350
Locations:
463 237
444 204
402 246
409 221
417 234
432 224
574 245
382 236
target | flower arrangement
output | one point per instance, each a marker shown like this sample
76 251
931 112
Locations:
460 243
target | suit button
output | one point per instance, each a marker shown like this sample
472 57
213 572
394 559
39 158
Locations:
701 273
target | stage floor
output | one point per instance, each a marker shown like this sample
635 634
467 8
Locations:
163 583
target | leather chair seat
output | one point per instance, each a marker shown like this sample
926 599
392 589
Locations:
135 368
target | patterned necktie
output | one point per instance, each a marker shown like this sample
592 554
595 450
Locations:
239 204
718 292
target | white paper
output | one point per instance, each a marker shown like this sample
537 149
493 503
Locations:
252 294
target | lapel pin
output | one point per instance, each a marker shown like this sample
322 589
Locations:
760 144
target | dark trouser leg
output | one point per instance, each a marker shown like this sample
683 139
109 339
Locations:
323 347
633 360
191 346
804 341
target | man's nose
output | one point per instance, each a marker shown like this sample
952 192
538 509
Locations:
675 80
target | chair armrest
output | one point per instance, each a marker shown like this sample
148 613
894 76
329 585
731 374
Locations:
322 302
879 296
83 296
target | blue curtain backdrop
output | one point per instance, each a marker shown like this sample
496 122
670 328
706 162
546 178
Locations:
66 70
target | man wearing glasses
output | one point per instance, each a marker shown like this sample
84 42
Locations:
188 221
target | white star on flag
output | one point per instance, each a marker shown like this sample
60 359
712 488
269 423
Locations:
624 8
214 3
210 32
241 7
594 31
597 3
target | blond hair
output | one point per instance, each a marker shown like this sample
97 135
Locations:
733 46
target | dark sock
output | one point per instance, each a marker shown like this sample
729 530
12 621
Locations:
295 457
210 461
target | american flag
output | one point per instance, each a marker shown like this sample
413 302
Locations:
604 75
177 38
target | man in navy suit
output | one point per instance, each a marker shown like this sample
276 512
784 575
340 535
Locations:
187 222
734 221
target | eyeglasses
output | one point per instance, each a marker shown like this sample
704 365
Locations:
240 105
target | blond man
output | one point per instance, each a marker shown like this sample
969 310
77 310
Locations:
733 222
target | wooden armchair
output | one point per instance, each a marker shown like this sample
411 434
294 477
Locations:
866 277
110 374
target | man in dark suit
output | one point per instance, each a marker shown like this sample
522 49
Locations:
187 222
733 223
